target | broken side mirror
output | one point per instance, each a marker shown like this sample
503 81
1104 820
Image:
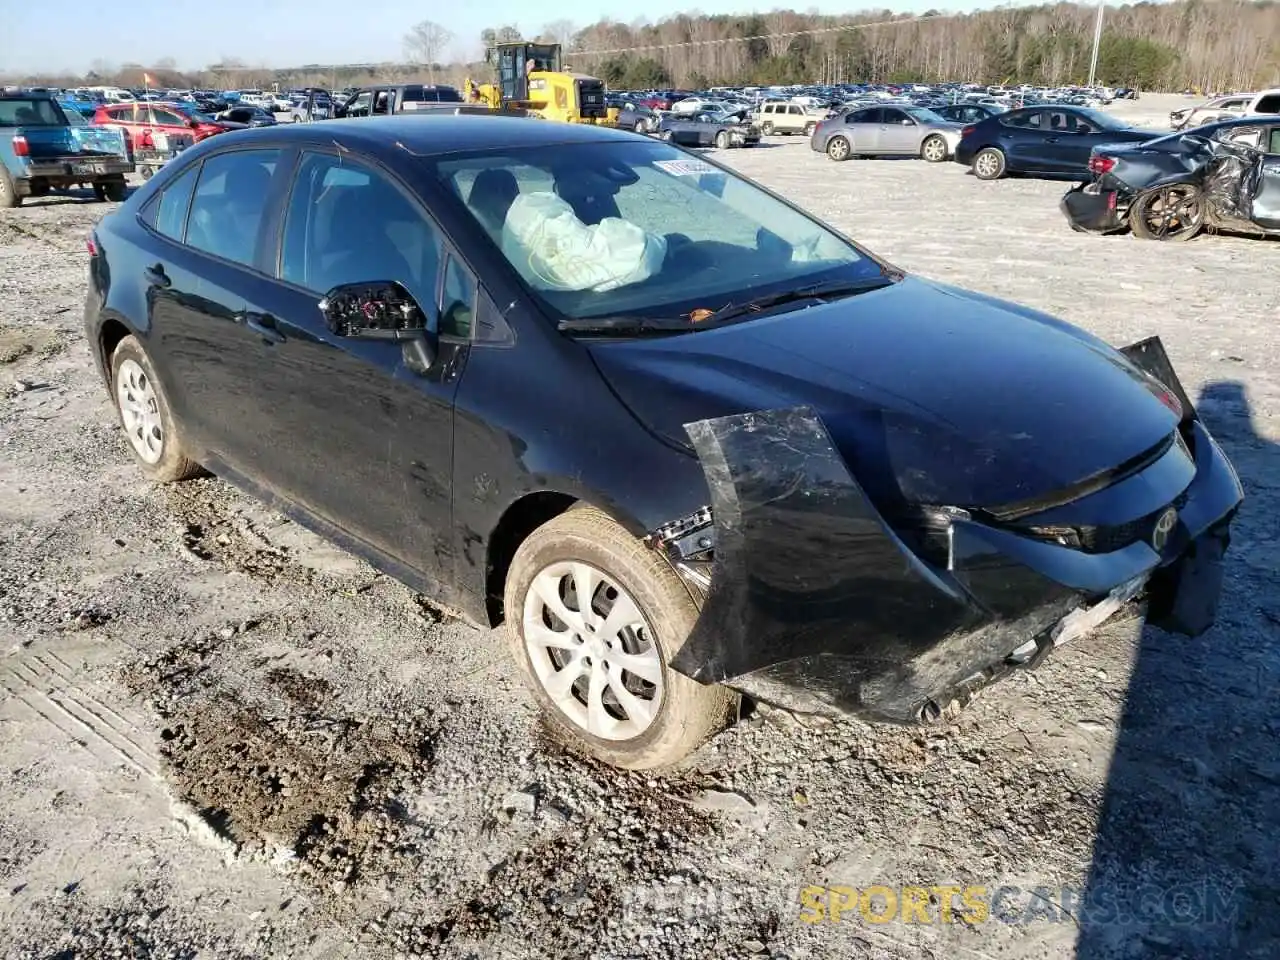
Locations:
383 310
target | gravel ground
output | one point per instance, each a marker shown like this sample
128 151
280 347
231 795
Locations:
220 737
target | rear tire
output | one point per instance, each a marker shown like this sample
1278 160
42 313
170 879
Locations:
616 568
767 129
809 128
989 164
8 193
143 409
839 149
115 190
1183 224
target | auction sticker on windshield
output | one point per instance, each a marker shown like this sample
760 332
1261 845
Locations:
684 168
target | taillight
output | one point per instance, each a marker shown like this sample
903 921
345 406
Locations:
1164 395
91 246
1101 165
20 146
966 131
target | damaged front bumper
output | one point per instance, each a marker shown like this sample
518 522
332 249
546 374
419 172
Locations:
813 602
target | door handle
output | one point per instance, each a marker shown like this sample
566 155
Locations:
1052 139
262 324
156 276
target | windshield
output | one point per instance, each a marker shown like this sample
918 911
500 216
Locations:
923 115
642 229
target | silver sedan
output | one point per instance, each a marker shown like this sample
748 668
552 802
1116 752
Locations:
901 131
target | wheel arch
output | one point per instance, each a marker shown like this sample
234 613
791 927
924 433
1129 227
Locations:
110 332
525 515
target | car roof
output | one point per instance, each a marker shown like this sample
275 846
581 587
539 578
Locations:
435 135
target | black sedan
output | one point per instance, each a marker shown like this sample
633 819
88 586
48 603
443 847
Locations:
682 438
247 115
1046 141
1222 175
967 112
721 130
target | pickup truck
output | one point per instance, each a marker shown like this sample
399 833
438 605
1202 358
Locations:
43 146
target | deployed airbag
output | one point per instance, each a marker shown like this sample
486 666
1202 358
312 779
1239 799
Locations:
555 250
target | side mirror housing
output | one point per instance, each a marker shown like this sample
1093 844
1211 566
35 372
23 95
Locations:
383 310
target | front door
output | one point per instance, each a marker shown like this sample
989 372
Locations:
369 442
898 133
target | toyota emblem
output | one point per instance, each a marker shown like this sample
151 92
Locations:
1164 526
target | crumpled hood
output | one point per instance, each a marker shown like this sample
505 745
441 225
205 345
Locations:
932 394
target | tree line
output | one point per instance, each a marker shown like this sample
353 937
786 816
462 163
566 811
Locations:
1208 45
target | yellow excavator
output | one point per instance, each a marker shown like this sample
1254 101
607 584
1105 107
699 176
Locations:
532 80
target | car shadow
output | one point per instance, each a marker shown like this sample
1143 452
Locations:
1186 861
66 198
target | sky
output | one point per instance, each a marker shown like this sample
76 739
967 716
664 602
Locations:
196 34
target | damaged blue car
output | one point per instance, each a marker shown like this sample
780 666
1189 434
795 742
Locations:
684 441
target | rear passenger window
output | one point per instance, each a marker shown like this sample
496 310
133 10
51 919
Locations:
347 223
171 211
226 209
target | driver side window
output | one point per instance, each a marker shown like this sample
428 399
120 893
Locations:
347 223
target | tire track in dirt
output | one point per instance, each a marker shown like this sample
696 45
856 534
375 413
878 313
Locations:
46 685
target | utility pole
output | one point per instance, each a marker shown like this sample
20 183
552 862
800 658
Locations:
1097 41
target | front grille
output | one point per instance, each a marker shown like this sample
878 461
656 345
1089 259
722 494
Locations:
1104 538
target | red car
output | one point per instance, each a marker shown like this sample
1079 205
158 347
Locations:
140 120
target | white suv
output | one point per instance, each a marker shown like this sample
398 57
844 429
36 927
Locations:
783 116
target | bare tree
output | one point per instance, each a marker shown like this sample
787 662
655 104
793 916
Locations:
559 31
425 42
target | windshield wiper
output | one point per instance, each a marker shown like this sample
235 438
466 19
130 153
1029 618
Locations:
831 290
627 325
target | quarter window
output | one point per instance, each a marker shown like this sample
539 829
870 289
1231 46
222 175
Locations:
457 301
347 223
230 196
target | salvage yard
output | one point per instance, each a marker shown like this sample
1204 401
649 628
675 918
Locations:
221 737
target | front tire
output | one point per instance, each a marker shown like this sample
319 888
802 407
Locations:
934 149
722 141
809 128
593 617
767 129
838 149
989 164
146 417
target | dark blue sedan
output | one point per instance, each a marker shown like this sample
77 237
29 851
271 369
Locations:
681 438
1050 141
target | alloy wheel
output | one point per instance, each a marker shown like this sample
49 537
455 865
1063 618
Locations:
140 411
987 165
592 651
935 150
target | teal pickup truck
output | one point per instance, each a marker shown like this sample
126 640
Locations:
44 147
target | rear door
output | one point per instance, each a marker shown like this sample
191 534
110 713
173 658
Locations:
862 127
206 272
369 442
1023 138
